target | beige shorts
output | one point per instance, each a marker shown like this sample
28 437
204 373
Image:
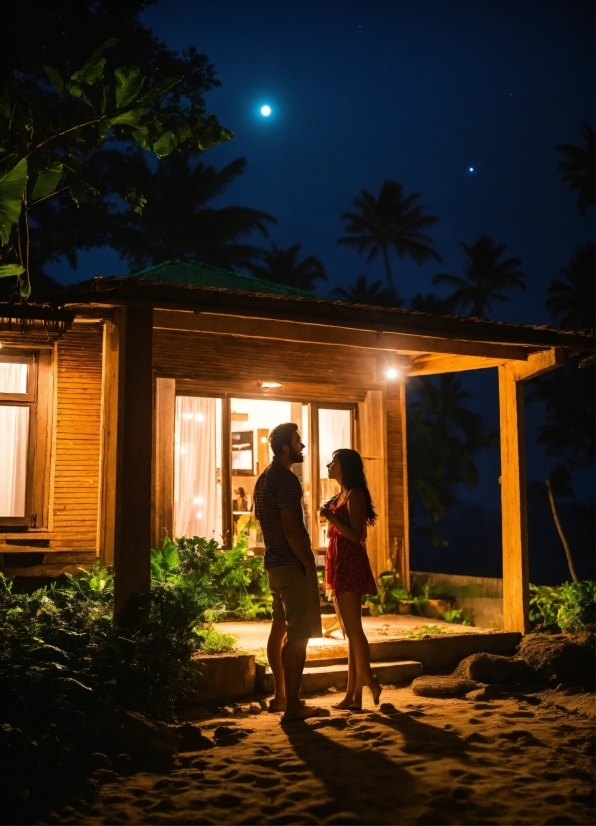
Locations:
296 601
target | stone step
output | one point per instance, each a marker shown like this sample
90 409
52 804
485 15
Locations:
318 679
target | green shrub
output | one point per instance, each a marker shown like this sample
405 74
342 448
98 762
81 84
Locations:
213 641
570 606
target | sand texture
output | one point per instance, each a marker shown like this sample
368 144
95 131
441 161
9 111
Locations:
515 758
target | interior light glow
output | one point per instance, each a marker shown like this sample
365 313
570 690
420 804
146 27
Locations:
266 384
392 373
199 515
199 417
187 415
264 440
198 500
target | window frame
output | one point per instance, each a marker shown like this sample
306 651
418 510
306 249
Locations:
38 395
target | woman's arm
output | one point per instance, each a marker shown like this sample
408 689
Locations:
353 531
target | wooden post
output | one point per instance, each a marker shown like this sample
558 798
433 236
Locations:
373 448
132 541
163 460
513 502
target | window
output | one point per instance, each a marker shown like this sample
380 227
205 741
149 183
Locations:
18 391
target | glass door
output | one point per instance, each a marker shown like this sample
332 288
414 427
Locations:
334 426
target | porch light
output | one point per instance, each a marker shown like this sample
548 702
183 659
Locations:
269 384
392 373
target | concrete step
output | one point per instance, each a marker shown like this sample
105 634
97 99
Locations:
317 679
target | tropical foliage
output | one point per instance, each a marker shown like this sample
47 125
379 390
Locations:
373 294
43 156
389 221
488 277
571 606
571 299
177 220
443 435
577 170
282 266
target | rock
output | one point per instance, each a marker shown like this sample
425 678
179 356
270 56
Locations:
560 658
223 731
387 708
493 668
430 686
191 738
146 741
255 708
104 776
99 760
123 764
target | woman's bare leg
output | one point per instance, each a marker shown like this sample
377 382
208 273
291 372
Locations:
350 607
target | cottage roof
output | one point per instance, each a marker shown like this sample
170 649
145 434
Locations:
199 274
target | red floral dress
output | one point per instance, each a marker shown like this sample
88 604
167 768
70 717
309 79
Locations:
347 568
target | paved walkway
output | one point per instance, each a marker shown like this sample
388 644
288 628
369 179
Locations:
252 636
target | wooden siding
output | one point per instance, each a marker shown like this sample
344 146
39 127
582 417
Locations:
77 439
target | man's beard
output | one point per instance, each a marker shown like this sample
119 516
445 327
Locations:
295 456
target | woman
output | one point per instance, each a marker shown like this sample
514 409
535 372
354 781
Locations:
347 570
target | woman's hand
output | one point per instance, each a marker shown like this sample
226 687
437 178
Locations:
325 512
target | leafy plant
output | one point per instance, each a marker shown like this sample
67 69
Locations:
571 606
389 594
213 641
578 605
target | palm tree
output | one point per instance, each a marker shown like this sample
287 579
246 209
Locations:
373 294
571 299
176 221
431 303
281 265
487 277
390 220
578 168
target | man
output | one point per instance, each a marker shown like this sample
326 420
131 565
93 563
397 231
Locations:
291 570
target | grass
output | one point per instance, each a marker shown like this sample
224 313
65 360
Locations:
426 631
216 642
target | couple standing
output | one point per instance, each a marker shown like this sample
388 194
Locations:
292 573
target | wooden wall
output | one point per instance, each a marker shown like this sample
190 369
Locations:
397 480
77 439
66 536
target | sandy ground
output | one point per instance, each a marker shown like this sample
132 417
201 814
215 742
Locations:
525 759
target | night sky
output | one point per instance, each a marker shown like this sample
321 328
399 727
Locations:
417 91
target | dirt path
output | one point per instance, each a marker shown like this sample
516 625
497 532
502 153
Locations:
513 760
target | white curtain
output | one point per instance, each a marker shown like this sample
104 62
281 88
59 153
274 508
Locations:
14 438
334 433
13 377
197 490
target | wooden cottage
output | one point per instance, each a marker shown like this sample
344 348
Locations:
142 406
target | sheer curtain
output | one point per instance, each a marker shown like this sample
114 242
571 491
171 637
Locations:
14 439
197 489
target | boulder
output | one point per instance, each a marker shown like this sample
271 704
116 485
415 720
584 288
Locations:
560 658
430 686
493 668
191 738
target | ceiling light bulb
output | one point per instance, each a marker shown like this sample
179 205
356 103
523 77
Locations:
392 373
270 384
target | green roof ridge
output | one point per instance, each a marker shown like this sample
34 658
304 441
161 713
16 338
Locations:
255 284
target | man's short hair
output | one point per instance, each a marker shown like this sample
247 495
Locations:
281 435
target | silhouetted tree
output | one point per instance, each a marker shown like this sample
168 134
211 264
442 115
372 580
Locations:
571 299
282 266
373 294
177 222
431 303
443 435
390 220
487 277
578 169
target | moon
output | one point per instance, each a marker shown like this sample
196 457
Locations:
265 111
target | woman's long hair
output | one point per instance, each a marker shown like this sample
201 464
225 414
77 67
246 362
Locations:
353 476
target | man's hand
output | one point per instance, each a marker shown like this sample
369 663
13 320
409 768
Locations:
295 534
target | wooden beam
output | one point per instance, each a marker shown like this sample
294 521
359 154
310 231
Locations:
513 502
132 572
431 365
163 462
108 457
405 343
538 363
